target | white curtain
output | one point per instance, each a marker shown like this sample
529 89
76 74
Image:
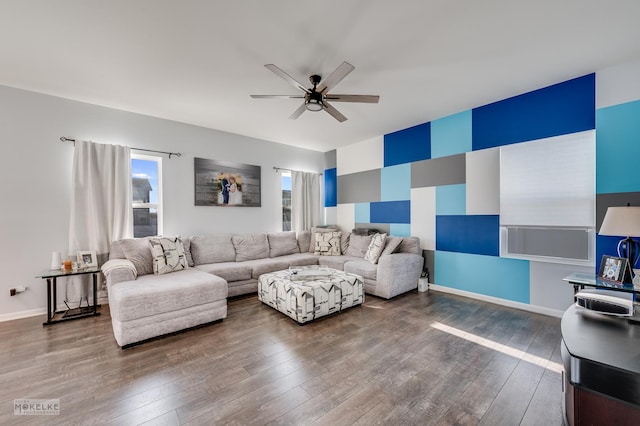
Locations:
100 204
306 200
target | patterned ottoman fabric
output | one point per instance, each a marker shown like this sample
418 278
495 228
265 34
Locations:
313 297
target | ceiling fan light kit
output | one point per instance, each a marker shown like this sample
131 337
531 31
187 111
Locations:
315 98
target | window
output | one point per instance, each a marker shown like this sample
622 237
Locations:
547 199
146 191
286 200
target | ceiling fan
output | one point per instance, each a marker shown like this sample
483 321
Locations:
316 98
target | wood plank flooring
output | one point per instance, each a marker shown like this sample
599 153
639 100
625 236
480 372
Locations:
419 359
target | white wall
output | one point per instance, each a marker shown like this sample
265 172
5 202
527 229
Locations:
35 180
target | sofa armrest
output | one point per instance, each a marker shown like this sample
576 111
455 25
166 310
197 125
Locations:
119 270
398 273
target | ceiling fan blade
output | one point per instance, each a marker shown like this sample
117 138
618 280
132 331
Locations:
334 112
277 96
297 113
292 81
335 77
367 99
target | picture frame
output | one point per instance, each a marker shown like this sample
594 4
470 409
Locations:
616 269
87 259
226 184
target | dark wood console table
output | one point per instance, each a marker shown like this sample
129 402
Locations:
601 357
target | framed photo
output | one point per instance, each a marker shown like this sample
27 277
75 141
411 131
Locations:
224 184
615 269
87 259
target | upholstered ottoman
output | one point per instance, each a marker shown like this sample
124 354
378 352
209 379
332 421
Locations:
307 293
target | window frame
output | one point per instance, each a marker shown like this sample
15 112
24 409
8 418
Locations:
157 206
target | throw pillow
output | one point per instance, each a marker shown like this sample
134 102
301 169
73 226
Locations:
186 243
327 243
358 245
282 243
391 244
168 255
314 230
137 251
375 248
344 242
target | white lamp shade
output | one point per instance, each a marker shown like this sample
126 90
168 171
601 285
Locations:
621 222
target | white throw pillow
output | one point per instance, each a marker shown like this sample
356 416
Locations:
375 248
168 255
327 243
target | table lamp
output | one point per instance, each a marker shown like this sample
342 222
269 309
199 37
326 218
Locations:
620 222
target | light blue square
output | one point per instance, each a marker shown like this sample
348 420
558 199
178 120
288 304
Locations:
362 212
395 182
400 229
451 200
451 135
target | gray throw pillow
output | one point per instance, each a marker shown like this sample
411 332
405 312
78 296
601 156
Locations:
391 245
282 243
358 245
138 252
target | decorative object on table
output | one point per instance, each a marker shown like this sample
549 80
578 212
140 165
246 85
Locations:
56 260
87 259
624 222
219 183
615 269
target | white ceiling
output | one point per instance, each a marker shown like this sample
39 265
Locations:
197 61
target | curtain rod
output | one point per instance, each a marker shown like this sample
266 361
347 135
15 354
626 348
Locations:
277 169
177 154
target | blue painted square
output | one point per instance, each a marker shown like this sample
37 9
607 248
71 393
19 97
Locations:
451 200
451 135
395 182
362 212
330 188
491 276
391 212
400 229
563 108
469 234
617 139
408 145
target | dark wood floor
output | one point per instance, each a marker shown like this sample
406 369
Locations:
421 358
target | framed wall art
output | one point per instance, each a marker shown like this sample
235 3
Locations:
225 184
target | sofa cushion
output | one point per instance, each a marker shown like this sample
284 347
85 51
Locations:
327 243
263 266
250 246
336 262
358 245
138 251
212 249
116 251
156 294
230 271
168 255
410 245
364 268
304 240
186 244
391 244
314 230
282 243
375 248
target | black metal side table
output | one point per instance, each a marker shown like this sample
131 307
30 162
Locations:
54 316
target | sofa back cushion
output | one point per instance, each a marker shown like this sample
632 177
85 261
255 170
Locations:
391 245
358 245
138 251
304 239
282 243
250 247
410 245
212 249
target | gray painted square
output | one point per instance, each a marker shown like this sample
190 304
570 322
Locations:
449 170
362 187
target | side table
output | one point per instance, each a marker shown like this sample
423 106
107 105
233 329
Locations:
54 316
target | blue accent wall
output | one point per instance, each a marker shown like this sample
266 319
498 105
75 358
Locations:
362 212
391 212
395 182
405 146
451 200
469 234
493 276
563 108
451 135
330 187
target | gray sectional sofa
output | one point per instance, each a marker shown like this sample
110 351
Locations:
145 304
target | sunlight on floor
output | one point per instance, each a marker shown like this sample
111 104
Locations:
533 359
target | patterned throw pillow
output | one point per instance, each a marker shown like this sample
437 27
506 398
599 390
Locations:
168 255
375 248
327 243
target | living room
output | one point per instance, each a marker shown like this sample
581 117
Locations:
378 175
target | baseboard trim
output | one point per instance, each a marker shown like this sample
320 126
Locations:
509 303
40 311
